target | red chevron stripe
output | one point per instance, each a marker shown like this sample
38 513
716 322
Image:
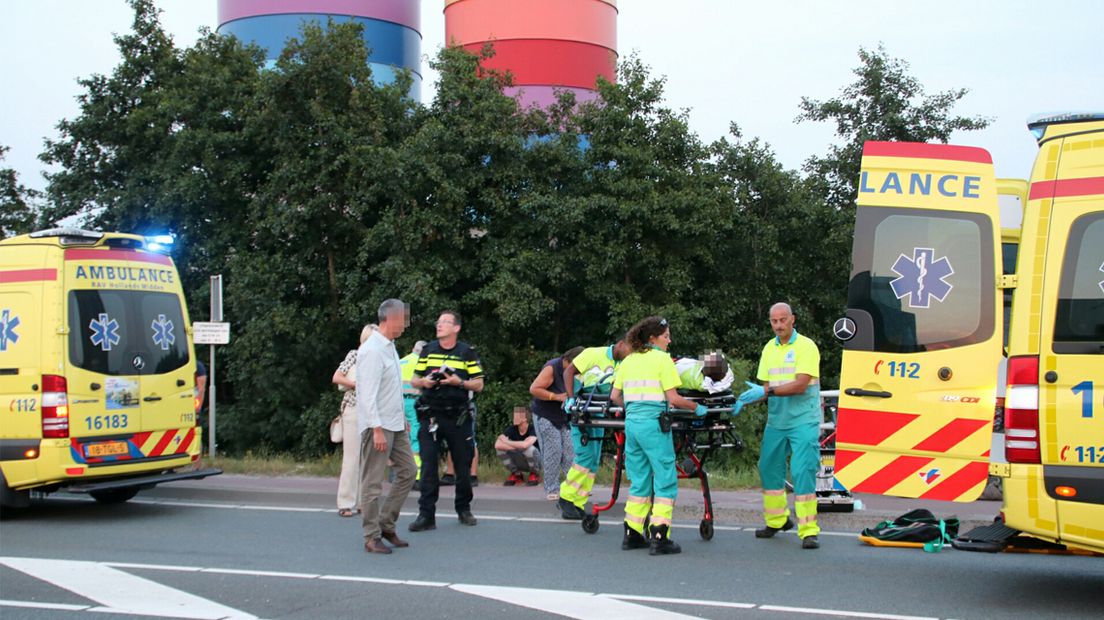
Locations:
139 439
956 484
163 443
902 467
186 442
950 435
869 428
846 457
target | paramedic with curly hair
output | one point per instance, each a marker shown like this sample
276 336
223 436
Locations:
645 384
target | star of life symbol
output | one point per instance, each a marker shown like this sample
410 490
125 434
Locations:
1100 284
921 277
163 332
105 332
8 323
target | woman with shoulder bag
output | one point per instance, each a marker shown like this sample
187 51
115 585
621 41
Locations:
348 491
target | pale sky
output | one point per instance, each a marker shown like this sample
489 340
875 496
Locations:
724 61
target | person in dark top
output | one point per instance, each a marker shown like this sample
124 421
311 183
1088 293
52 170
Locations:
447 371
517 447
553 431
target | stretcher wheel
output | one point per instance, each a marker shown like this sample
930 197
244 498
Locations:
590 523
705 530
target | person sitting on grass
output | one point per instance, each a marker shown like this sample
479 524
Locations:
517 447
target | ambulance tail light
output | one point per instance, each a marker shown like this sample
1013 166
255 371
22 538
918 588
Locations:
1021 411
55 407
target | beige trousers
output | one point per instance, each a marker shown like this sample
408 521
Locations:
380 514
348 484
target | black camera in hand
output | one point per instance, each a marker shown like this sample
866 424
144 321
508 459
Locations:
440 374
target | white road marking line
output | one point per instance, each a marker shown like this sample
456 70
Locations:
684 526
178 569
578 605
428 584
120 592
134 595
680 601
37 605
259 573
389 582
845 614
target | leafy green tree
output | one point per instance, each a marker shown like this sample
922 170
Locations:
884 103
16 211
159 147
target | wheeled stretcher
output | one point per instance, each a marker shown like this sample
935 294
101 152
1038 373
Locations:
695 438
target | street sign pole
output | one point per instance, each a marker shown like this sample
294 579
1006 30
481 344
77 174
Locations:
216 316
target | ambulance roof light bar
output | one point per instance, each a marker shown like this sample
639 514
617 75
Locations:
1039 122
69 236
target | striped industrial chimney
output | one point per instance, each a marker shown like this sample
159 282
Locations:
546 44
392 29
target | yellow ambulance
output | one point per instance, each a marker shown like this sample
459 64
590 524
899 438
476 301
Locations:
923 328
97 376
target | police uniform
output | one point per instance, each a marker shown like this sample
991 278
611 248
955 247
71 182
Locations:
793 427
643 379
450 407
410 397
594 366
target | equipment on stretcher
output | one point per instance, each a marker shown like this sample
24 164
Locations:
695 438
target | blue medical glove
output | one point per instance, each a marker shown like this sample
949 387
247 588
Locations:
737 407
700 410
569 403
753 393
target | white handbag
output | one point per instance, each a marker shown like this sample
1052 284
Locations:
337 432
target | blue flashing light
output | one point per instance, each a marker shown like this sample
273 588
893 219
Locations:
159 243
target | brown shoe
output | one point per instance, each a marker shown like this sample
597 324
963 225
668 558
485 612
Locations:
394 539
376 546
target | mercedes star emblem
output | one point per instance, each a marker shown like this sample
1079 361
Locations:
844 329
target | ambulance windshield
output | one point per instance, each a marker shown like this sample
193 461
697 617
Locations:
117 332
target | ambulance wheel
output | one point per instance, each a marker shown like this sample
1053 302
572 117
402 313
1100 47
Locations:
114 496
590 523
705 530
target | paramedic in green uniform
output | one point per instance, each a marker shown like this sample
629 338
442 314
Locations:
789 371
410 397
590 371
646 385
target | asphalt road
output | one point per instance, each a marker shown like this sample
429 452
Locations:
274 548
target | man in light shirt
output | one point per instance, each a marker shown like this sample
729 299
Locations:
383 432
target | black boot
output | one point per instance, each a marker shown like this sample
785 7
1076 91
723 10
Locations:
660 543
633 540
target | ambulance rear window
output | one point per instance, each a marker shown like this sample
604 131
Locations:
118 332
1079 324
926 278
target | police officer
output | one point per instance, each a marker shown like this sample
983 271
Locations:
591 370
645 384
789 370
448 369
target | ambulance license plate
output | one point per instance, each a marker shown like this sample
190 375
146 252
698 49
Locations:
107 448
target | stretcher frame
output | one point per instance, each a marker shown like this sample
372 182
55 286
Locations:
695 439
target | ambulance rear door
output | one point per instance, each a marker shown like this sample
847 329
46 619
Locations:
922 334
130 370
1071 353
